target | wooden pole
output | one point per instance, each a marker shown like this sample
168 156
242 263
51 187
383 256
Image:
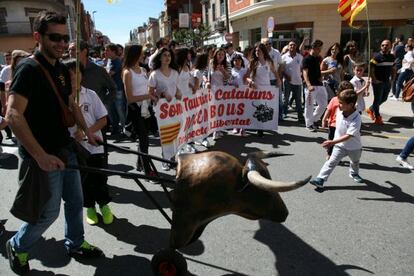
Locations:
369 39
78 38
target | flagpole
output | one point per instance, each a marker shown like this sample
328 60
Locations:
369 39
78 31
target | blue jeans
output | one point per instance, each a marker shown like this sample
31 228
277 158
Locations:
66 185
296 94
117 112
381 91
408 148
402 77
273 83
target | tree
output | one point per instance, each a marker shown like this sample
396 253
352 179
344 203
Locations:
192 37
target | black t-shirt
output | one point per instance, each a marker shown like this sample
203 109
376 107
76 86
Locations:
312 63
383 64
43 113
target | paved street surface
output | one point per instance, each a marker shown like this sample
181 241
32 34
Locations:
348 229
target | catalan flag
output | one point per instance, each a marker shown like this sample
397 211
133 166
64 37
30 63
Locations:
348 9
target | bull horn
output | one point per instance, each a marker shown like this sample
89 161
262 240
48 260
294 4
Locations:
276 186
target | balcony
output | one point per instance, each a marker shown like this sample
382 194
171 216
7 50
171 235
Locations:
15 28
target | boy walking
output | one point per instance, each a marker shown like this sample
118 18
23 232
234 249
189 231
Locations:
347 141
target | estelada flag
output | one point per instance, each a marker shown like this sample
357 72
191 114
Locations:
348 9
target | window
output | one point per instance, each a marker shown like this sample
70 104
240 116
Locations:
213 11
3 23
222 8
206 10
32 13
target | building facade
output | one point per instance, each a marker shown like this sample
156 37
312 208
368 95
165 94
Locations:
17 16
318 19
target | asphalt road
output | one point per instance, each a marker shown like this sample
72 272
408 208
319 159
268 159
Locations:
348 229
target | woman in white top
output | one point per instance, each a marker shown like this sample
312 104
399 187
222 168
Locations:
238 71
259 68
185 80
200 65
218 75
163 81
407 69
238 78
220 70
351 57
136 91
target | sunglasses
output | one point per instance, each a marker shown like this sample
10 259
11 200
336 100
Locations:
58 37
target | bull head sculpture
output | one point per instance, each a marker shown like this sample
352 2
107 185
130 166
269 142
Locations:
214 184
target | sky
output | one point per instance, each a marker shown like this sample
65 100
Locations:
117 19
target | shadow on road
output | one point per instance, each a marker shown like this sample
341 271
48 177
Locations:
382 150
394 192
296 257
377 167
120 265
127 196
9 161
402 120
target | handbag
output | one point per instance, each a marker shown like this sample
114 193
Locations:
408 90
33 192
68 117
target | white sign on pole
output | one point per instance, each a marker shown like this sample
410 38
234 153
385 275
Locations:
270 24
183 20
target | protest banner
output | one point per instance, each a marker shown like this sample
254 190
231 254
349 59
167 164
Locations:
226 107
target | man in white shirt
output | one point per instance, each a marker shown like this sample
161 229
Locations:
231 53
292 61
277 61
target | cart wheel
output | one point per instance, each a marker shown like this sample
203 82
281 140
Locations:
168 262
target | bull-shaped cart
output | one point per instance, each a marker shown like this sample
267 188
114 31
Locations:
208 185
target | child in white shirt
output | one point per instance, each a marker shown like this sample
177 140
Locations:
360 86
94 185
347 140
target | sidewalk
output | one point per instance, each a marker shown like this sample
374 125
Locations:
398 112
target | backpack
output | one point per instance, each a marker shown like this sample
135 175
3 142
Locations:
408 90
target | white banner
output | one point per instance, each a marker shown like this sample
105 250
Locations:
197 116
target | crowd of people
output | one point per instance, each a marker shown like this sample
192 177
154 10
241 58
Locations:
119 89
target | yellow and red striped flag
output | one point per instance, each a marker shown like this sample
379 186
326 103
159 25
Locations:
348 9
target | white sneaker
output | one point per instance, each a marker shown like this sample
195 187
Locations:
217 135
404 163
190 148
165 166
205 143
393 98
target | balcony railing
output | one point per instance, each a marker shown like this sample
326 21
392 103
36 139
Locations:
15 28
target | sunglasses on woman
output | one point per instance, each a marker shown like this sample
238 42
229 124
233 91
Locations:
58 37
